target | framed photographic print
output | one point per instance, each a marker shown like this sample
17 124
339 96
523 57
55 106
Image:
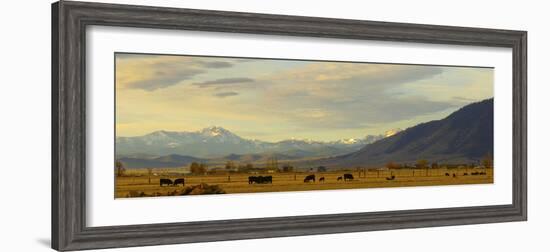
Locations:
292 125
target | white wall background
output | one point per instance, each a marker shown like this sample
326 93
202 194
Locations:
25 124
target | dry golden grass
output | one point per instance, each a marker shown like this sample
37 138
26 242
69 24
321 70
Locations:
137 182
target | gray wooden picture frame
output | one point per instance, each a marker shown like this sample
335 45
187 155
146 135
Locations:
69 21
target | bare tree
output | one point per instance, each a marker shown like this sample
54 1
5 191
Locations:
288 168
229 165
203 168
422 163
120 170
197 168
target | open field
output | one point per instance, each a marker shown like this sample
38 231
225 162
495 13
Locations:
136 183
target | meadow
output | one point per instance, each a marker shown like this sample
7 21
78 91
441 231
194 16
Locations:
138 183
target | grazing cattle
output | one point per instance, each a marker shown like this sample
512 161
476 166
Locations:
447 174
475 173
482 173
322 179
339 179
166 182
454 175
260 180
309 178
179 181
348 176
390 178
465 174
267 180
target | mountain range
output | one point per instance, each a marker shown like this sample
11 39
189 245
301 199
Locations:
215 142
464 136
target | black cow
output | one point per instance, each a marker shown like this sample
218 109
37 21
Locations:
465 174
179 181
260 180
166 182
390 178
454 175
348 176
482 173
339 179
322 179
309 178
447 174
267 179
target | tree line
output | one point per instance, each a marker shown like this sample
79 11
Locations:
486 162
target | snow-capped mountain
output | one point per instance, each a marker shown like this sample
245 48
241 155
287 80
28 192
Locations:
216 142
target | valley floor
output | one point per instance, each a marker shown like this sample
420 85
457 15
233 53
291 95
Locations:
137 184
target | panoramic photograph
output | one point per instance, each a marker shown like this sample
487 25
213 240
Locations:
197 125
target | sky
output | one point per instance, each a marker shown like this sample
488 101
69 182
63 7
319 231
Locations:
276 99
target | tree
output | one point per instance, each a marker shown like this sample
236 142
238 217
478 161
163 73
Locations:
193 167
288 168
422 164
120 170
229 165
321 169
245 168
392 165
241 168
196 168
487 161
203 168
435 165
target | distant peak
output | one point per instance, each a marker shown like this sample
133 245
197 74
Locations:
214 128
159 133
349 140
215 131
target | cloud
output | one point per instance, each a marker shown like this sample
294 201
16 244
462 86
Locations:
161 79
279 99
351 95
373 74
226 94
216 64
152 72
463 99
245 60
223 81
343 81
360 113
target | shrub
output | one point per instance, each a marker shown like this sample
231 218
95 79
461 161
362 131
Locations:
202 188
